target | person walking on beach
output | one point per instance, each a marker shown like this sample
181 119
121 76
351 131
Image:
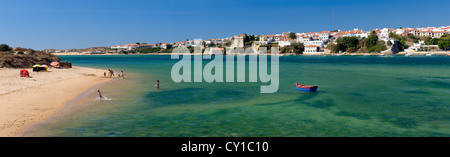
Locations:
109 72
121 74
112 74
100 94
104 74
157 84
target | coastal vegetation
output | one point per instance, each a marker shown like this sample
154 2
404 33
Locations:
292 35
356 45
296 48
402 41
249 39
444 42
4 47
23 57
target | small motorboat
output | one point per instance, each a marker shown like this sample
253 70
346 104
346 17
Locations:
302 87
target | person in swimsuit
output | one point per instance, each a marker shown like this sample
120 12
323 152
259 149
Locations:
112 74
100 94
157 84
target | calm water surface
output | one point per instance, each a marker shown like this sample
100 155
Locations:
357 96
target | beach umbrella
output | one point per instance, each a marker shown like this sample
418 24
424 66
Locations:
54 64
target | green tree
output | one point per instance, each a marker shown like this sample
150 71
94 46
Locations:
211 44
297 48
372 39
337 48
4 47
292 35
431 41
402 45
352 42
444 43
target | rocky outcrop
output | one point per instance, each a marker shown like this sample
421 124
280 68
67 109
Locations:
12 60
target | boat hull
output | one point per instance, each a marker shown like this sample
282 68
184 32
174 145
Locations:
312 89
306 88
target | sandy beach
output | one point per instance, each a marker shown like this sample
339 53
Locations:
26 101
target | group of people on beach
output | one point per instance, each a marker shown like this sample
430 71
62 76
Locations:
111 74
101 96
120 75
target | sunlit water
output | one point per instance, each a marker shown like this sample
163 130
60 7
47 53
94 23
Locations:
357 96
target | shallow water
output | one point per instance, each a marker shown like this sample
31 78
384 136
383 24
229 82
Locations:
357 96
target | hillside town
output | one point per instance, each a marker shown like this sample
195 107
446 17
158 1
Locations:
310 42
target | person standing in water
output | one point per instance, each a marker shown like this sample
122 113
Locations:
157 84
100 94
112 74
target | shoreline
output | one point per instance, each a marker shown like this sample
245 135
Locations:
418 53
29 101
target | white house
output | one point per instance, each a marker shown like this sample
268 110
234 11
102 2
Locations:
400 31
303 39
362 35
312 48
198 42
384 34
265 39
189 43
163 45
285 42
125 47
324 35
319 43
214 50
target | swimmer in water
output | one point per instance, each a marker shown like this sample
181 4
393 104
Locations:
100 94
157 84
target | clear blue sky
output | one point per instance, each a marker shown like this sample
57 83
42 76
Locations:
64 24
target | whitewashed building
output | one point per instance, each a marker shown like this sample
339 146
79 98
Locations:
324 35
319 43
285 42
312 48
125 47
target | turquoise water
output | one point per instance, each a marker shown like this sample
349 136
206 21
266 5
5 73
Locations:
357 96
